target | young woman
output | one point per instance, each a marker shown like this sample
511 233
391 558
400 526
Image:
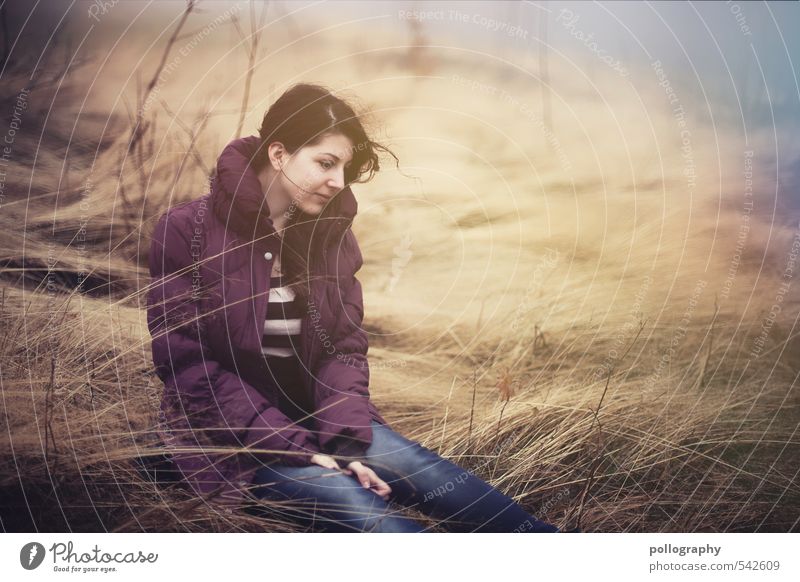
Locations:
256 319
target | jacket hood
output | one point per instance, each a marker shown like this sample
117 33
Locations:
238 201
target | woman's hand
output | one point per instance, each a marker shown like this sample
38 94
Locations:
328 462
369 479
366 476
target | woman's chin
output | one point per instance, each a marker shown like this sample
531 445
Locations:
312 209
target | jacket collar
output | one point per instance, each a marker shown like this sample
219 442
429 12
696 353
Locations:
238 201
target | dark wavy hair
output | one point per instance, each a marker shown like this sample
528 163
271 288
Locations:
302 116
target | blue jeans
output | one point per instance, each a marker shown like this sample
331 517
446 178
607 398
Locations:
417 476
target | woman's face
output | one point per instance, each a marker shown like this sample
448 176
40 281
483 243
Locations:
314 174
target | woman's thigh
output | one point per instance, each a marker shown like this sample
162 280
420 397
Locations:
330 498
439 488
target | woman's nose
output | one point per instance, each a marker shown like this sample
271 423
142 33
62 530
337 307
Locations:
337 181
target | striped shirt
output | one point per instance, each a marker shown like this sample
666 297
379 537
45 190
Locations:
280 346
281 336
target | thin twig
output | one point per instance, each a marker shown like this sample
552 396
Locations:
255 36
137 130
471 413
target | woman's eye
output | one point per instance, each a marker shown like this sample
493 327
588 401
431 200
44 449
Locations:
326 164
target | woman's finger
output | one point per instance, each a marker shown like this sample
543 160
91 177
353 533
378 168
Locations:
363 476
370 480
381 487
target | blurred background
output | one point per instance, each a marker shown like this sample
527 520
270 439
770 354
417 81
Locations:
581 281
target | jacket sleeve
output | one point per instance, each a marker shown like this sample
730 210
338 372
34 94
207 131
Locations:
342 417
210 396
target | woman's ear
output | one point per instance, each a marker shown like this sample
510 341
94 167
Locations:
276 152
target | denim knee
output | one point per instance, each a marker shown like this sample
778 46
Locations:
393 452
338 502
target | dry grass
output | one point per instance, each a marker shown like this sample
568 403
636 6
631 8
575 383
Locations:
498 339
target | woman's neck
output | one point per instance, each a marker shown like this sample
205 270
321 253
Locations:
277 201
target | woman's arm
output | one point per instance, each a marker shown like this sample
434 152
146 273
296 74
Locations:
211 396
342 383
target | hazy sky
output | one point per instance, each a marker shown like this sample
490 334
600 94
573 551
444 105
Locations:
733 62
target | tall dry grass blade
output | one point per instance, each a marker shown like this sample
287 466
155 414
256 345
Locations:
600 444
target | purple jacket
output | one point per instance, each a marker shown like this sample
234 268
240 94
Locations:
210 269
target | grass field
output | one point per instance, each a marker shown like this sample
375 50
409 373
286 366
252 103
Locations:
575 306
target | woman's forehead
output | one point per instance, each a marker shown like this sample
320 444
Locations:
337 145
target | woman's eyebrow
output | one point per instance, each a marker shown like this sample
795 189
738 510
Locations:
334 155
